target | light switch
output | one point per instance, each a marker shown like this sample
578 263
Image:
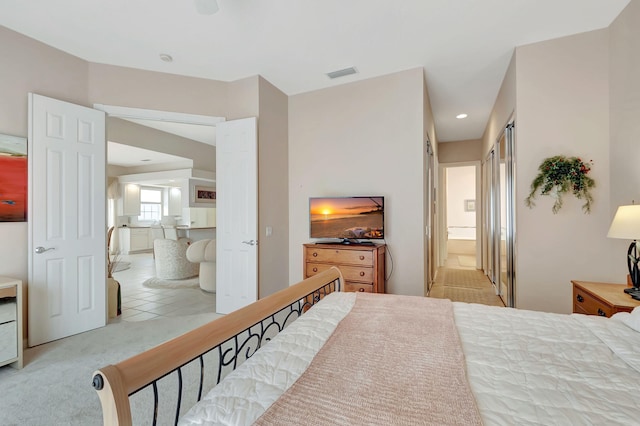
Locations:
269 231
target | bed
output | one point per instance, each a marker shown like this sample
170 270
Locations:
311 354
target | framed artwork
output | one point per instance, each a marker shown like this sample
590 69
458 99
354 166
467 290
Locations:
469 205
204 194
13 179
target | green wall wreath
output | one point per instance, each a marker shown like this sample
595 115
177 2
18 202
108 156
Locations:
559 175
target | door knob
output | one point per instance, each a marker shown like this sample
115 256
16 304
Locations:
40 250
250 242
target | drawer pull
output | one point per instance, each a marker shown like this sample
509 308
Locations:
580 298
361 290
315 254
315 269
361 257
362 273
601 313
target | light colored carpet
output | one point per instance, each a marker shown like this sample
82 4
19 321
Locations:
468 295
54 387
160 283
464 285
465 278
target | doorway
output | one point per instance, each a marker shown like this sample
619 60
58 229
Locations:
156 153
461 216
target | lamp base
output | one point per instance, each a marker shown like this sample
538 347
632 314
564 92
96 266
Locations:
634 292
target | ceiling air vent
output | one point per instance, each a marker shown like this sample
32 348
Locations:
342 73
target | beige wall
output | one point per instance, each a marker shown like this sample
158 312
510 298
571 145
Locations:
563 109
460 151
112 85
624 133
503 109
255 96
243 98
30 66
273 176
362 138
203 156
38 68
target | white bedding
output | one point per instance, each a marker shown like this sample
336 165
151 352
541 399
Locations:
524 367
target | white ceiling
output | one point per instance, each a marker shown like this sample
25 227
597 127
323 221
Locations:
463 45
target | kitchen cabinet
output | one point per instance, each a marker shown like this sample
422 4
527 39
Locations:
175 202
135 240
129 202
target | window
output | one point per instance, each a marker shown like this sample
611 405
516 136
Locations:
150 205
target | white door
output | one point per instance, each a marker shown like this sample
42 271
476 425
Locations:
237 214
67 219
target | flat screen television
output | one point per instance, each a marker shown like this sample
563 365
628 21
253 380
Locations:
347 218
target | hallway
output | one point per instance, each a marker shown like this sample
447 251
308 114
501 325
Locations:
464 284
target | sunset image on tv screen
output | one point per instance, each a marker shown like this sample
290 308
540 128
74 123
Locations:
349 217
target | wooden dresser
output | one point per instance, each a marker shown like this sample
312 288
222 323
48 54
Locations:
362 266
602 299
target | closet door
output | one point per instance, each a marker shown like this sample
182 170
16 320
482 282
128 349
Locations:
489 240
500 216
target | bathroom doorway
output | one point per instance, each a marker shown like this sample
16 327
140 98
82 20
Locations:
462 218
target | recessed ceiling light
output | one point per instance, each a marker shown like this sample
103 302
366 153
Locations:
461 116
166 57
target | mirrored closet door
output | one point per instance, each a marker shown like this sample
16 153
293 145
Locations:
499 213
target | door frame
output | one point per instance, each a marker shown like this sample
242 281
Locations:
430 256
442 209
158 115
118 111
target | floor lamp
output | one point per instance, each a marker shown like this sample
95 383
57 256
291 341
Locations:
626 225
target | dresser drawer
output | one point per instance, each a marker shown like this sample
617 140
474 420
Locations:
7 310
350 273
584 302
351 286
8 341
348 257
9 291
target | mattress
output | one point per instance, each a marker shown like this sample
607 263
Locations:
524 367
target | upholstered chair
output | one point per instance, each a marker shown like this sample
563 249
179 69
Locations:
156 233
204 253
171 260
170 232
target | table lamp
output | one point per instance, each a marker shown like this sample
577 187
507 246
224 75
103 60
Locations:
626 225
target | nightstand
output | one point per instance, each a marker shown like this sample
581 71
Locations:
602 299
10 322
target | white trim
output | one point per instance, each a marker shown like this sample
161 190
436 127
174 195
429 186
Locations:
442 211
151 114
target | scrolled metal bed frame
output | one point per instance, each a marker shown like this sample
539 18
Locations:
229 340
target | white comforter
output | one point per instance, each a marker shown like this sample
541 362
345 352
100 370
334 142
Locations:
524 367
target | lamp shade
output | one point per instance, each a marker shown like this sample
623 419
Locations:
626 223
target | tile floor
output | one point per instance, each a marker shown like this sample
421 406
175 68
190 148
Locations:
140 303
